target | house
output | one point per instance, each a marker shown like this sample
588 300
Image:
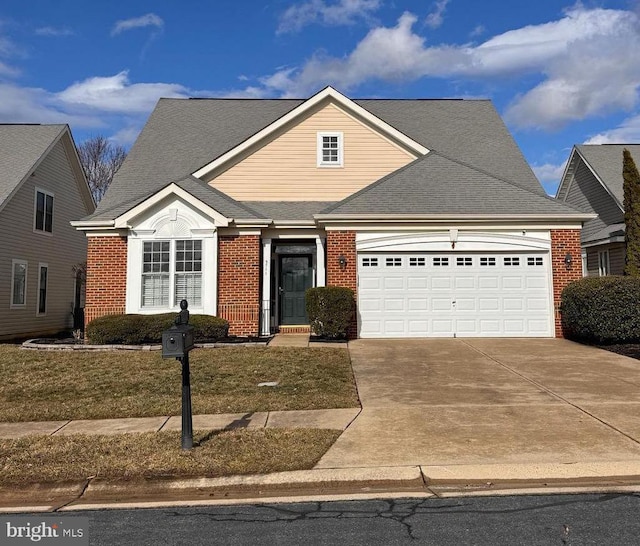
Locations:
592 180
42 188
425 208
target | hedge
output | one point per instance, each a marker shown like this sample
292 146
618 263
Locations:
140 329
330 310
602 310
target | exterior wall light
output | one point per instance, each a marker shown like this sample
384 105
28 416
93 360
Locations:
342 261
568 260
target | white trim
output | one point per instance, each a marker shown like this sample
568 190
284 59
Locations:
46 193
321 164
38 313
265 326
583 258
123 220
329 94
321 273
23 305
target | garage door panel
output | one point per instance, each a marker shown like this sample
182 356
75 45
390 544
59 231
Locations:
421 294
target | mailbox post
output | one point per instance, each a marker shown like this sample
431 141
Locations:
177 341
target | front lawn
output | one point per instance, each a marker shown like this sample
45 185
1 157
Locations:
58 385
37 459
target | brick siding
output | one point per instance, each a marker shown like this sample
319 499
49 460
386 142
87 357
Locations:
562 242
239 283
343 243
106 277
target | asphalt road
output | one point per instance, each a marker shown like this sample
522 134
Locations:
546 520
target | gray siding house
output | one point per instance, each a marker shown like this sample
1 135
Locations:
593 182
42 188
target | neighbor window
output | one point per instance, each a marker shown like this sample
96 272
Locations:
171 271
42 288
604 267
18 283
43 211
330 150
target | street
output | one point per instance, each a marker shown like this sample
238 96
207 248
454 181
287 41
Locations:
527 520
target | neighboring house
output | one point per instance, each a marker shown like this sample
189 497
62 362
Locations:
592 181
42 188
425 208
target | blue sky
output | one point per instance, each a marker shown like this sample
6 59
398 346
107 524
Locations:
560 73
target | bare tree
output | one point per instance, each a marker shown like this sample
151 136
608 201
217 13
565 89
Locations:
100 160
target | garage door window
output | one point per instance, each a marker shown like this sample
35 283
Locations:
369 262
417 262
511 261
464 261
534 261
394 262
440 262
484 261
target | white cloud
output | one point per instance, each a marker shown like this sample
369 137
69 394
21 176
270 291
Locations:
585 61
343 12
627 132
53 32
117 94
436 17
549 172
126 136
148 20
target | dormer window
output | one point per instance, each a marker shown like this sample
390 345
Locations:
330 150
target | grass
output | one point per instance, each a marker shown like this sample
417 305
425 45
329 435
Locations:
158 455
58 385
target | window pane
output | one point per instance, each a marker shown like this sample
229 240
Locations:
39 211
42 296
189 287
155 290
48 215
19 283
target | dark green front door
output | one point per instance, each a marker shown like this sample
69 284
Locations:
295 278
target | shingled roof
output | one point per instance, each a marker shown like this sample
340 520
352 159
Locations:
439 185
21 149
606 161
183 135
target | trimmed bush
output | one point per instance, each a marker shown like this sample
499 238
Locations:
330 310
602 309
140 329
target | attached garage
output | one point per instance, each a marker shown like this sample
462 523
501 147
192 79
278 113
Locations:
466 293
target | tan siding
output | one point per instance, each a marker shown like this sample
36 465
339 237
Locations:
285 169
61 250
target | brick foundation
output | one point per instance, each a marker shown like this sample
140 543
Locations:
106 277
343 243
564 241
239 283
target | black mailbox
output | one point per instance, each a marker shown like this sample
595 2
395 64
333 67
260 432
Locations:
177 341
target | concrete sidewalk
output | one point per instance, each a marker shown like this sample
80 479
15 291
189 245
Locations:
338 419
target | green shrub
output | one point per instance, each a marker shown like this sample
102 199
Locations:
602 309
140 329
330 310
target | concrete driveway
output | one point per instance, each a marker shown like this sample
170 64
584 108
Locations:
489 401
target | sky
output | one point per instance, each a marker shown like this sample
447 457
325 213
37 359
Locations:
559 73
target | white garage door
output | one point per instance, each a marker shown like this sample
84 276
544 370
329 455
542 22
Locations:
451 294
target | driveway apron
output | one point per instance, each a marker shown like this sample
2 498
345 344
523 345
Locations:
489 401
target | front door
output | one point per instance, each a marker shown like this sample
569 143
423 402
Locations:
295 278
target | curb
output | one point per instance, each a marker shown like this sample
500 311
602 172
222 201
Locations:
329 484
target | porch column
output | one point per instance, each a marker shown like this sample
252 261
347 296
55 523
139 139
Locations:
265 319
321 274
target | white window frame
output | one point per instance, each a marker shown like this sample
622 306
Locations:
35 211
320 142
39 313
172 304
12 304
604 263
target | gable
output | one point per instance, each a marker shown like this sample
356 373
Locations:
285 168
